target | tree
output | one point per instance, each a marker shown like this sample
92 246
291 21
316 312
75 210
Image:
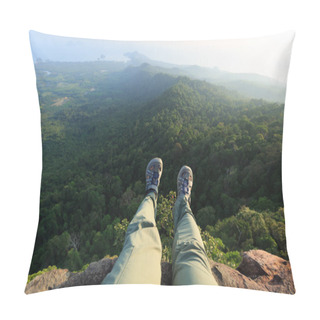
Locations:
57 250
73 262
75 241
206 216
120 230
165 224
116 186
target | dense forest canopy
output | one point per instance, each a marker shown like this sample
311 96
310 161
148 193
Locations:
101 124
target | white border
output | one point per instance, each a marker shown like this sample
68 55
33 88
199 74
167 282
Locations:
155 20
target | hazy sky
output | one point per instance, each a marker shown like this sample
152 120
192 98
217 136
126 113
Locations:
267 56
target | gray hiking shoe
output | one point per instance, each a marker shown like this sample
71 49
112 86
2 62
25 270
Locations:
184 182
153 175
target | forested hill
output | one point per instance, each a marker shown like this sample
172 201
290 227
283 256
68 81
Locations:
102 123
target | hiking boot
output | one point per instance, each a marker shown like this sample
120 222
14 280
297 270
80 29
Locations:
153 175
184 182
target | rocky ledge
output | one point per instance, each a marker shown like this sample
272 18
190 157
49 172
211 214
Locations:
259 270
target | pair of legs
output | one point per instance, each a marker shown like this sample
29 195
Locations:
140 259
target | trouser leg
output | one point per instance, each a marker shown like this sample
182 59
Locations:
140 258
190 264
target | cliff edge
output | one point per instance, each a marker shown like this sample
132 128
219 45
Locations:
258 270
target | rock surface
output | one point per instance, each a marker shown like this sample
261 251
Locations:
259 270
229 277
94 274
269 271
47 281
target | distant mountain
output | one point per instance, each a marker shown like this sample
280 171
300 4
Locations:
137 59
249 84
128 53
137 83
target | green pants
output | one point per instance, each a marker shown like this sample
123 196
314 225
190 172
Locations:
140 258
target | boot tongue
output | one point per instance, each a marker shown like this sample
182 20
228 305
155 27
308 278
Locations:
155 178
185 188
